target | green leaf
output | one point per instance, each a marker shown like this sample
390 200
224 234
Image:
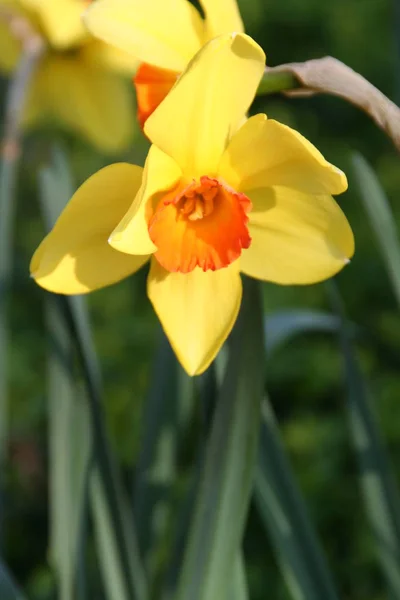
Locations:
157 461
15 99
381 219
69 453
380 492
239 589
8 588
207 392
180 528
56 189
106 540
283 325
8 200
223 498
285 517
123 527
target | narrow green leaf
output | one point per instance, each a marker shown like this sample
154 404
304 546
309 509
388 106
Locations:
222 502
207 386
285 517
381 495
106 541
239 590
69 452
210 383
8 173
122 521
10 152
181 526
8 588
381 219
56 189
166 413
156 467
283 325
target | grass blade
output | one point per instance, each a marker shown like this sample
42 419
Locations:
222 501
381 219
69 452
239 589
56 189
166 414
8 171
285 517
106 541
8 588
156 467
32 48
281 326
381 495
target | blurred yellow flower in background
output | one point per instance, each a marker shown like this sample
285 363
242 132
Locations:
213 200
163 35
78 81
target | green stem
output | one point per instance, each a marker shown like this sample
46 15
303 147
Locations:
276 81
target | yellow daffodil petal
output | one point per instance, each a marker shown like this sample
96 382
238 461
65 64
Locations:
75 257
98 53
92 101
195 121
131 235
222 16
297 238
164 33
60 19
197 310
264 153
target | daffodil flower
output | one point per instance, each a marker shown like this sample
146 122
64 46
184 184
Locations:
77 82
163 35
213 200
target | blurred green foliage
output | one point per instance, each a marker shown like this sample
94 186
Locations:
305 375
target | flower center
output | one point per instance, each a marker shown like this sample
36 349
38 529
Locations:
198 201
203 224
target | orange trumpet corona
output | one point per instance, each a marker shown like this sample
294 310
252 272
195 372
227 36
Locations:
152 84
201 224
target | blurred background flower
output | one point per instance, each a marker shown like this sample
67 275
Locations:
163 35
78 82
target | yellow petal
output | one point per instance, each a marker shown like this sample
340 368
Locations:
131 235
93 102
264 153
197 310
61 20
297 238
195 121
222 16
164 33
97 53
75 257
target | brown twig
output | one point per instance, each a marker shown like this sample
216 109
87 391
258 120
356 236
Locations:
330 76
33 46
